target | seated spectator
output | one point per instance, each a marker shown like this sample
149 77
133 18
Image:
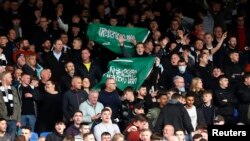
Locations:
168 131
4 136
68 138
197 137
219 120
58 134
84 129
145 135
132 131
118 137
106 136
180 134
20 138
26 131
173 138
74 129
89 137
106 125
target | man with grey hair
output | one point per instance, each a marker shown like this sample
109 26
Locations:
179 84
91 108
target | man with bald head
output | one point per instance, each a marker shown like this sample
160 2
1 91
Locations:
109 97
73 98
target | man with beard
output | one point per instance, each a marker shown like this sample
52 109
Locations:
23 48
46 46
67 77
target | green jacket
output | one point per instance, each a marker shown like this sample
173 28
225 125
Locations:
17 107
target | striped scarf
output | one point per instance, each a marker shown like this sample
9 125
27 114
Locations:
8 99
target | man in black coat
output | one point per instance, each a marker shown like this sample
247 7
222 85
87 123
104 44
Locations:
88 68
65 82
56 60
243 94
179 116
73 98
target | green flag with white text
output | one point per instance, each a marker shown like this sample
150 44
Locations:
107 36
128 72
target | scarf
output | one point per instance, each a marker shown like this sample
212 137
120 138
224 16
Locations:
8 99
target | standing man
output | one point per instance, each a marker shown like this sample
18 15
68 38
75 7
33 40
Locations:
67 77
89 68
179 116
91 108
56 60
109 97
73 98
29 96
9 104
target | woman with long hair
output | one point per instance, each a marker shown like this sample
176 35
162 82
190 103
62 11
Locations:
196 88
86 84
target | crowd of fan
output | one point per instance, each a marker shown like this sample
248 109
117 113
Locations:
48 67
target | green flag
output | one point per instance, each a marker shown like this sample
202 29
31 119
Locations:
128 72
107 36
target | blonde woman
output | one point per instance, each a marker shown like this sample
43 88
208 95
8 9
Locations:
196 88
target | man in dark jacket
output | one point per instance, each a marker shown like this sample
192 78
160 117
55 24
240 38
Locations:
58 134
225 100
67 77
73 98
88 68
179 117
56 60
243 94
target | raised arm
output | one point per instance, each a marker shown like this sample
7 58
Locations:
218 46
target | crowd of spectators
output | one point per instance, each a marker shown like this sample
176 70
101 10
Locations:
48 68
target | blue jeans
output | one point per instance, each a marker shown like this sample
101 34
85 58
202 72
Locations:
28 120
11 128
